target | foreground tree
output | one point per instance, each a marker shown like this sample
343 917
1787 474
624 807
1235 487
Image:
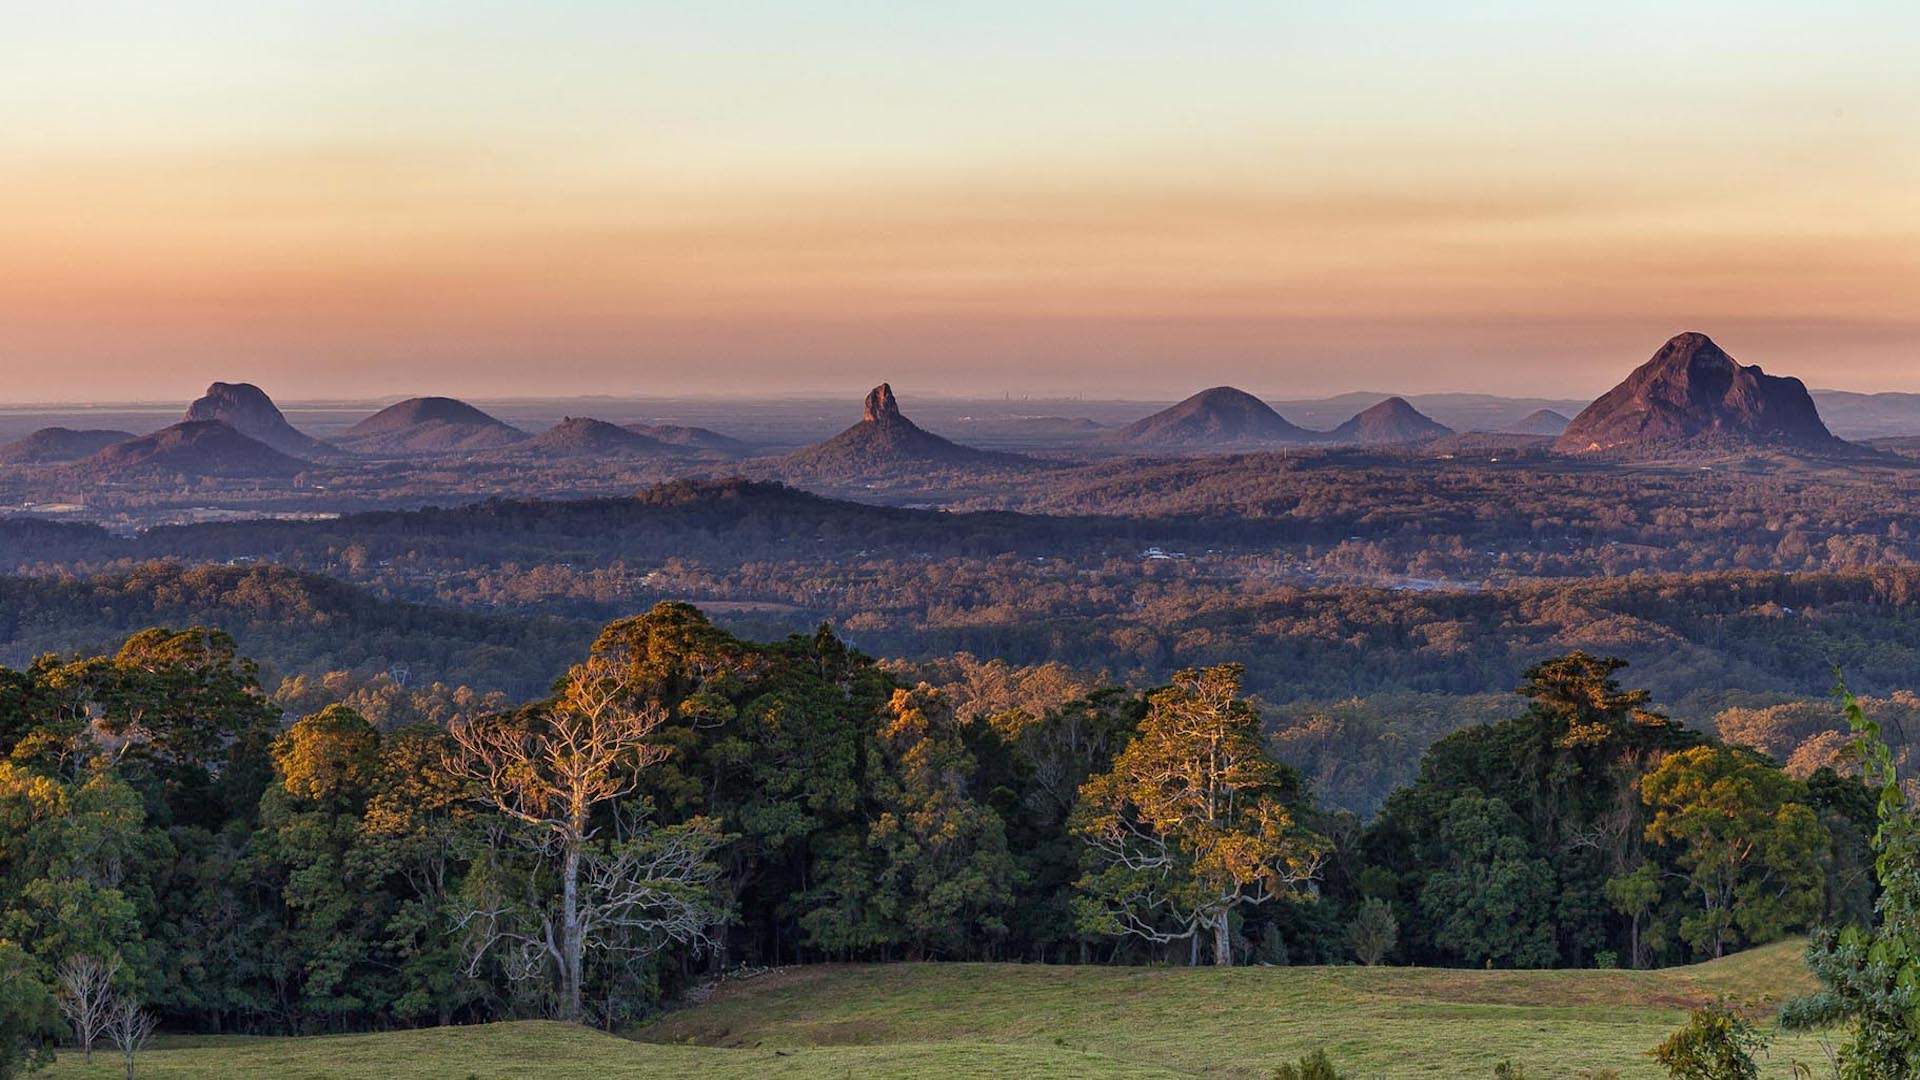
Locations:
550 770
1553 813
1491 901
946 878
85 991
130 1026
28 1016
1374 931
1193 821
1872 977
1716 1044
1748 844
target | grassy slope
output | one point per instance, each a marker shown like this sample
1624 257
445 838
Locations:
544 1049
1029 1021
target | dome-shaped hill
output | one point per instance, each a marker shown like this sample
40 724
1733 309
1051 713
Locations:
429 425
1537 422
247 409
1692 395
693 438
581 436
884 438
194 448
53 445
1220 417
1391 422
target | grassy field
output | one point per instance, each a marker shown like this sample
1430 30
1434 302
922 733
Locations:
941 1020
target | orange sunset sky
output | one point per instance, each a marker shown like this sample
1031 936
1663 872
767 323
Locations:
1117 199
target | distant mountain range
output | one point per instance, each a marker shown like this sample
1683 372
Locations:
1661 410
1226 418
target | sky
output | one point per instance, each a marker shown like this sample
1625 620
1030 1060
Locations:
341 198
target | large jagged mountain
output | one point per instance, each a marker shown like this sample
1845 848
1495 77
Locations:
194 448
429 425
1692 396
1537 422
1221 417
885 438
581 436
1389 423
50 446
247 409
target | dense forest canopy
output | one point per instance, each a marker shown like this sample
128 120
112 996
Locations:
1357 681
684 799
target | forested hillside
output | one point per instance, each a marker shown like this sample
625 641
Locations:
293 622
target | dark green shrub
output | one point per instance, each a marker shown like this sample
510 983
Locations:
1315 1066
1716 1044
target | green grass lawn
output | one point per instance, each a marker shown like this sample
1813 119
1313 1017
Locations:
941 1020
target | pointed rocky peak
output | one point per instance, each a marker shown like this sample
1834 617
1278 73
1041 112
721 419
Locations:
247 409
880 404
1690 393
885 438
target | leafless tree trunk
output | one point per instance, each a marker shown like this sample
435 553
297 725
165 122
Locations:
86 998
550 775
130 1028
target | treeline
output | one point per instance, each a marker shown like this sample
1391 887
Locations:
1357 682
684 801
1344 516
299 623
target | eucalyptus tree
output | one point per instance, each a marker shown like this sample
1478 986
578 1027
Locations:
1194 820
601 876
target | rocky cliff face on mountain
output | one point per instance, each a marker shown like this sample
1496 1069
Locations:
1221 417
1692 395
884 438
1538 422
247 409
194 448
580 436
1391 422
429 425
50 446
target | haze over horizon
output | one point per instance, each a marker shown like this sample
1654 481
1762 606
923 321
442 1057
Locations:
1123 201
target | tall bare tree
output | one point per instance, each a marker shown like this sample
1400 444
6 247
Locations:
86 997
558 774
130 1026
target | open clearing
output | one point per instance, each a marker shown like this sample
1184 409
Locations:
941 1020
